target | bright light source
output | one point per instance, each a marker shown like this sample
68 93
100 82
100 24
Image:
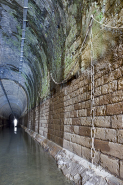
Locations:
15 122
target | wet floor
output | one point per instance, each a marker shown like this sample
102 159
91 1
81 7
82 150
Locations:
24 162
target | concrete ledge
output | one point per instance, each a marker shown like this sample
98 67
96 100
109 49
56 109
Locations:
75 168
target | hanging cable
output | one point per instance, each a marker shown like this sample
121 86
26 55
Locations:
92 102
92 92
25 9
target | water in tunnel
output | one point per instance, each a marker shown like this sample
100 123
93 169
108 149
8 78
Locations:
23 161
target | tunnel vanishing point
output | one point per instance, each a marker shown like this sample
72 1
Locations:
61 76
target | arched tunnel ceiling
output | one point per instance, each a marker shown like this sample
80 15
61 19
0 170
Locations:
52 28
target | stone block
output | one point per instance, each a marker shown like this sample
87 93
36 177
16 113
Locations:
76 149
82 83
105 89
87 79
83 105
66 144
74 114
82 112
75 139
121 169
68 102
76 129
110 135
45 135
77 106
67 115
76 121
108 77
59 141
117 96
82 97
110 164
75 87
99 82
102 146
75 100
112 86
81 90
98 75
56 116
68 121
69 128
75 93
105 99
109 148
86 153
69 108
62 128
86 121
41 132
97 91
97 157
117 121
85 141
120 136
117 73
57 127
116 108
89 112
85 131
67 97
68 136
88 95
101 110
100 133
87 104
120 84
97 101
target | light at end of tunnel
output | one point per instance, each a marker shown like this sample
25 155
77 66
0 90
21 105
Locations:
15 122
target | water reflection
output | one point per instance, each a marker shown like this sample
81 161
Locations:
23 161
15 130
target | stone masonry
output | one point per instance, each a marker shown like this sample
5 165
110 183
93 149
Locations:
65 118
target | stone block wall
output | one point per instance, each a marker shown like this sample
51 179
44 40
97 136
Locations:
66 117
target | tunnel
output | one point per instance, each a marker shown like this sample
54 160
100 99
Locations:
61 79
